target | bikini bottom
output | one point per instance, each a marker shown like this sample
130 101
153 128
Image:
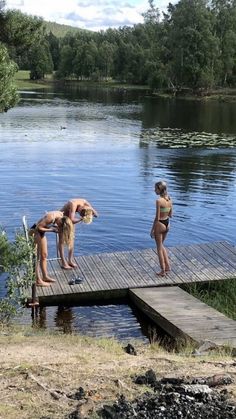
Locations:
165 222
41 233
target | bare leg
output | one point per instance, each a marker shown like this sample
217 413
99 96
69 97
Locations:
64 264
159 237
39 281
165 253
43 260
71 256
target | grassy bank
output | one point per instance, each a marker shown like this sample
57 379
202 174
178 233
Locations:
39 371
220 295
23 81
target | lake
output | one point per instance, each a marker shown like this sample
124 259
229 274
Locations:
87 142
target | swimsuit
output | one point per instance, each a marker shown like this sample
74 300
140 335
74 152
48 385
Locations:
165 222
166 210
41 233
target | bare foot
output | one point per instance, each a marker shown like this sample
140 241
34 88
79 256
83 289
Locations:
42 284
48 279
73 265
162 273
66 267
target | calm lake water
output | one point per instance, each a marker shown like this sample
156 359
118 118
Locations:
84 142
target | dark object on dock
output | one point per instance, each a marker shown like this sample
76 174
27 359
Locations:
129 349
74 281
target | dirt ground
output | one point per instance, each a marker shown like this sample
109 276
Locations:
40 372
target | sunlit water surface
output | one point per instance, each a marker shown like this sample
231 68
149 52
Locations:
61 145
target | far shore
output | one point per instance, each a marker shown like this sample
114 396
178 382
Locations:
23 82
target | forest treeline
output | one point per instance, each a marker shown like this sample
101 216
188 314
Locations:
193 45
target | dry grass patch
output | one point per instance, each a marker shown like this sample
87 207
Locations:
38 367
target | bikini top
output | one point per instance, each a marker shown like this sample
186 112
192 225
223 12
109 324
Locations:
165 209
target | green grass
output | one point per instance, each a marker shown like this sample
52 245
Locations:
23 81
220 295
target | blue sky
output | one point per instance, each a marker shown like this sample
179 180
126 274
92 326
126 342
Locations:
94 15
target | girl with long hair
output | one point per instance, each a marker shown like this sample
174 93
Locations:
161 225
53 221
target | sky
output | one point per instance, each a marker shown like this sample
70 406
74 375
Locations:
94 15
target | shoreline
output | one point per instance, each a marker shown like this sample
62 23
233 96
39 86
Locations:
224 95
41 371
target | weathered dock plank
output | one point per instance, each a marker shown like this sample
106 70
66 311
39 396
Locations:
108 275
183 315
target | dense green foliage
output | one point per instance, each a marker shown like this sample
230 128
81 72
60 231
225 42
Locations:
16 260
193 47
59 30
8 93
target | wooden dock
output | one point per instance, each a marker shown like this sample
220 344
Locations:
132 274
110 275
183 316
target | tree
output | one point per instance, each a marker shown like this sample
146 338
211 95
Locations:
192 44
152 15
40 61
54 48
8 92
225 27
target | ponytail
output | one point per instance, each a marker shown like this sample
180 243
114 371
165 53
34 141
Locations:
66 230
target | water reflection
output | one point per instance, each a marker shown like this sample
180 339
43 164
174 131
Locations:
99 155
190 115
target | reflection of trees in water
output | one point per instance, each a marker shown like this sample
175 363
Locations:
190 115
40 319
190 169
203 171
64 319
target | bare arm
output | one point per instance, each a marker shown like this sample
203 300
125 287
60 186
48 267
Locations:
156 218
43 224
72 212
171 210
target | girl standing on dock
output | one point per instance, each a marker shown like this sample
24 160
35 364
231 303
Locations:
161 226
53 221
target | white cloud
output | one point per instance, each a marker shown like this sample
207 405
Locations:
92 14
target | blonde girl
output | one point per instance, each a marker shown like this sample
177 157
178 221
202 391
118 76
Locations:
66 237
48 223
161 225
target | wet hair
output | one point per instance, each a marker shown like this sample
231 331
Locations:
66 228
83 212
162 187
87 215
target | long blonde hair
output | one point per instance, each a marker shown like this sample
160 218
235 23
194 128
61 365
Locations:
66 230
162 187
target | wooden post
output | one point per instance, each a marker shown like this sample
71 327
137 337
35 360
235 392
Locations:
34 301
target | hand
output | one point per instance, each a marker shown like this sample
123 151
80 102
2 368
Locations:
54 229
152 234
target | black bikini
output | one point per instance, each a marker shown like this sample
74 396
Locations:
165 222
41 233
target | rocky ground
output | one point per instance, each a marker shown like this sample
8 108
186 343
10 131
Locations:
175 398
44 376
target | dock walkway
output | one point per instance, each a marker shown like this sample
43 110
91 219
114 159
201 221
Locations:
132 274
182 315
111 275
